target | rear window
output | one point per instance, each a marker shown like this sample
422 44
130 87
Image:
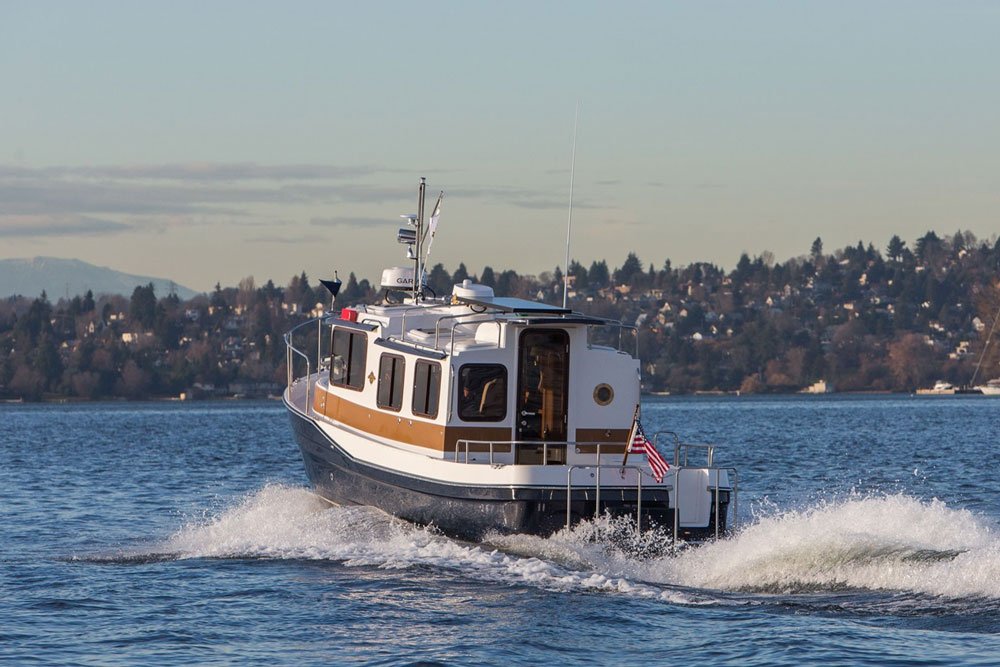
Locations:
482 392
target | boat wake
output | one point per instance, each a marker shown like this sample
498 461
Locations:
889 545
876 543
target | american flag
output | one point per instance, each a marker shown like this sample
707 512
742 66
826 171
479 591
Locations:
638 443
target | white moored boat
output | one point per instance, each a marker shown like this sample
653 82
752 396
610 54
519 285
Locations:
991 388
476 413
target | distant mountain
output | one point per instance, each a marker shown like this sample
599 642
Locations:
59 277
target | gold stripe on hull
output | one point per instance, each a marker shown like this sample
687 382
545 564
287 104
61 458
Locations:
392 426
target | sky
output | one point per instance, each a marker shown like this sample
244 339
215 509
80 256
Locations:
208 142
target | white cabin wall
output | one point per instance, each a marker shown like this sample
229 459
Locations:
590 367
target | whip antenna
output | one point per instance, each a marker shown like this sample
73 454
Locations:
569 223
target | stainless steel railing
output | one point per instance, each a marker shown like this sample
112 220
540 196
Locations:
545 444
597 490
683 449
291 351
733 489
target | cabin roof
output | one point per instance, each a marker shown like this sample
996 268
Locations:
513 305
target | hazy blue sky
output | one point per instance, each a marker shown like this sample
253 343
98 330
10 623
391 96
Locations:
210 141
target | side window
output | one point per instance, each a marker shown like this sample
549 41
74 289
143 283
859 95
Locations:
347 362
390 382
482 392
426 388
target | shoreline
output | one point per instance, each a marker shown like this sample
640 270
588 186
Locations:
667 394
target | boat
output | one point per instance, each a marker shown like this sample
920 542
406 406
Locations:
940 388
481 414
991 388
818 387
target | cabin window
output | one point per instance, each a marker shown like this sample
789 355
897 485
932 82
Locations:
482 392
390 382
426 388
347 363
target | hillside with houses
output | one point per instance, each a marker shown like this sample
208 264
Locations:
857 319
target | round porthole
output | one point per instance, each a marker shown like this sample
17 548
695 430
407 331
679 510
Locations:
603 394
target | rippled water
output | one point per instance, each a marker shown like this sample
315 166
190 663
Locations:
168 533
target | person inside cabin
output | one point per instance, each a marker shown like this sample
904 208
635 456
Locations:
532 402
470 400
482 392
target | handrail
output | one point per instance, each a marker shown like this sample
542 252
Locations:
685 446
402 329
437 326
451 345
544 443
677 440
621 325
597 490
290 349
734 489
678 468
319 342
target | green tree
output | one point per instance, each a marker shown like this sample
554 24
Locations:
816 252
629 269
487 277
461 273
142 307
350 293
926 246
598 275
579 273
46 361
439 280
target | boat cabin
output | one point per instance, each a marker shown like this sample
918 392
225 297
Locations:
479 378
399 398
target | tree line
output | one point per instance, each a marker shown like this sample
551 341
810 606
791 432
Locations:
859 318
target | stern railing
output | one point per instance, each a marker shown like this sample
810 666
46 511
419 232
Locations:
679 466
682 450
291 352
462 447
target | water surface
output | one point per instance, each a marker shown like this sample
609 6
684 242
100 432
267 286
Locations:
168 533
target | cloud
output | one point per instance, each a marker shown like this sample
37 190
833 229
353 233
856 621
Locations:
540 203
301 239
77 200
184 189
346 221
36 226
197 171
521 197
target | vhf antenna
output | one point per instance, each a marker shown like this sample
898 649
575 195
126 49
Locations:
569 223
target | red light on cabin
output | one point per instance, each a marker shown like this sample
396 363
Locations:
349 314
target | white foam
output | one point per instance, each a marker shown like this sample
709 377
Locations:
894 543
284 522
890 543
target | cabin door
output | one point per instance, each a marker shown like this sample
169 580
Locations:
542 394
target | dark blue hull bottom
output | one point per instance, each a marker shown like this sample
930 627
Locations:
462 511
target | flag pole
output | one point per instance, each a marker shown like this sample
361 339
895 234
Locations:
628 445
417 265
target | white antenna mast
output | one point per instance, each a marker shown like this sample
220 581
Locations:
569 223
